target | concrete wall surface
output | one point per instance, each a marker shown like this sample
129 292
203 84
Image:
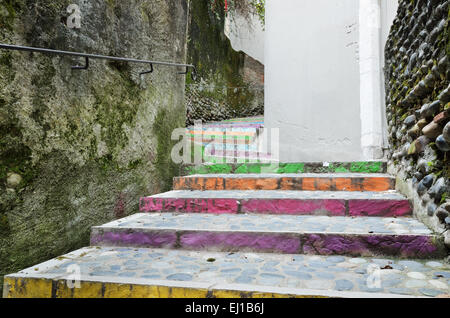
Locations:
312 78
246 35
324 79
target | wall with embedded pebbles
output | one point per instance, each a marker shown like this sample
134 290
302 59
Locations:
417 98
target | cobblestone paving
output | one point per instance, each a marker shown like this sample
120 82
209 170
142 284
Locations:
271 223
335 273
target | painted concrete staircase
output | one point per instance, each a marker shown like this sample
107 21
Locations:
303 230
234 140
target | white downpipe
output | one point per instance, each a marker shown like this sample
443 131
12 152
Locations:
370 79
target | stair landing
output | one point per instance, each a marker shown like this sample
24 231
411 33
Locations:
109 272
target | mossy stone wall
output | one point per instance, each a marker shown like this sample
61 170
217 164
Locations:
79 147
221 91
417 97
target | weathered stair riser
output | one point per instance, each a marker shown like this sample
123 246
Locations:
293 235
305 182
278 202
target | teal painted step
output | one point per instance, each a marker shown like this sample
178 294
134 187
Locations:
301 167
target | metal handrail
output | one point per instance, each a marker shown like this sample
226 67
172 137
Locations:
104 57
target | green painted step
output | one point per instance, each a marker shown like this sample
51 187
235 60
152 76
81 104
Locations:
301 167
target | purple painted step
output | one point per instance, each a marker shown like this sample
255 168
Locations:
279 202
322 235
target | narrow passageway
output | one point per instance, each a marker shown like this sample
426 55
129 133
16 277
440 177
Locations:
305 229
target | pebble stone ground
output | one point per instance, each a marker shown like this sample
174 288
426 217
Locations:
336 273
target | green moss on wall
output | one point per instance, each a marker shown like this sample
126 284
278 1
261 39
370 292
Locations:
218 65
165 122
117 104
8 12
83 141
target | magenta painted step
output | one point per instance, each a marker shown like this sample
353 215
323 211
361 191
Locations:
279 202
299 235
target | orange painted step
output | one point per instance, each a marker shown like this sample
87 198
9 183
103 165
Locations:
304 182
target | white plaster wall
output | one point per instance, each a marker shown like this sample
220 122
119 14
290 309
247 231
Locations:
246 35
312 79
375 20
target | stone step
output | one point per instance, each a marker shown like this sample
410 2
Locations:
306 182
240 122
299 167
227 126
229 142
211 147
259 119
235 133
211 159
321 235
250 155
332 203
111 272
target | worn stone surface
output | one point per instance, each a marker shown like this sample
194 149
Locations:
183 271
86 143
13 180
442 117
442 144
432 130
410 120
446 133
